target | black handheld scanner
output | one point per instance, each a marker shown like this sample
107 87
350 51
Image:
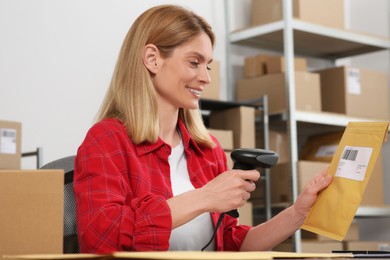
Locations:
249 159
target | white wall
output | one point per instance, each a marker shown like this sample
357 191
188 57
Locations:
56 61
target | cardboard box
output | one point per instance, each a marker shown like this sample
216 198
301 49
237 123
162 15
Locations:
309 246
312 11
278 142
246 214
10 144
355 92
225 137
255 66
213 90
32 211
240 120
307 91
321 247
352 234
321 148
277 65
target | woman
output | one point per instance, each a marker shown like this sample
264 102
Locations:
148 175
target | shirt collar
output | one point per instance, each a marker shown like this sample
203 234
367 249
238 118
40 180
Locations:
188 142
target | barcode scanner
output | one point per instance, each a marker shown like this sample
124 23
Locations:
247 159
250 159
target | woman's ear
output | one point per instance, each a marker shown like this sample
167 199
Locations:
150 56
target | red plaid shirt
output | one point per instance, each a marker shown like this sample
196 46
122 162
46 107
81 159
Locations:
121 191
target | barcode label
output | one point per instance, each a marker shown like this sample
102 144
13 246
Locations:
8 140
354 162
350 155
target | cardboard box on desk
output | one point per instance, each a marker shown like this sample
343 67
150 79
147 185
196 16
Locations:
307 91
240 120
355 92
32 211
312 11
10 144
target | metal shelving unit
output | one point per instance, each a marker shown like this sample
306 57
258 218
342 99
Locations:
294 37
207 106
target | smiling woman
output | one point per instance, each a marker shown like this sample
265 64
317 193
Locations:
148 175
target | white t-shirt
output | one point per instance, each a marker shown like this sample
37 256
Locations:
195 234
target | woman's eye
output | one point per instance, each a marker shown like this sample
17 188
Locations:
194 63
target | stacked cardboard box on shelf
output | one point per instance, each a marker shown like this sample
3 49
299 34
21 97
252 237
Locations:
234 128
10 144
312 11
270 80
355 92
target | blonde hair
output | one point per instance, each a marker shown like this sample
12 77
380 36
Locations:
131 96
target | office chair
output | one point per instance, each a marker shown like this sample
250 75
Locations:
71 243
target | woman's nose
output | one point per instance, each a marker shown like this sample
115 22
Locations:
205 75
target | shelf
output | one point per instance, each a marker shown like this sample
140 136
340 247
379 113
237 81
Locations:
332 119
311 39
373 212
325 118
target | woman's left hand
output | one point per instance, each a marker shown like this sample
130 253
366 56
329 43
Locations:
309 194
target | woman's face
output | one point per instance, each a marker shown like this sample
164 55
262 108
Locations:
181 78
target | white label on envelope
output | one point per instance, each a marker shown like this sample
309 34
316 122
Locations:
353 81
7 140
354 162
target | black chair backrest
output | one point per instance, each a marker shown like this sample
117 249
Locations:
71 243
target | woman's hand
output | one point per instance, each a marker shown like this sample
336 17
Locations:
230 190
310 192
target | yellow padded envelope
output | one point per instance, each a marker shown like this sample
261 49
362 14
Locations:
351 168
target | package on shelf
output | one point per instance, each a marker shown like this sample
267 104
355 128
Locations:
255 66
310 246
262 64
352 234
241 120
307 91
367 245
281 189
246 214
355 92
312 11
10 144
278 142
225 137
276 64
213 90
321 147
32 202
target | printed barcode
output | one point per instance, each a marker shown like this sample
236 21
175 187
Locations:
8 133
350 154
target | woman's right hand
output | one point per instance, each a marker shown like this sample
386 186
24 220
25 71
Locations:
230 190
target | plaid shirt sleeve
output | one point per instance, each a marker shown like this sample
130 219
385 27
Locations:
115 211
